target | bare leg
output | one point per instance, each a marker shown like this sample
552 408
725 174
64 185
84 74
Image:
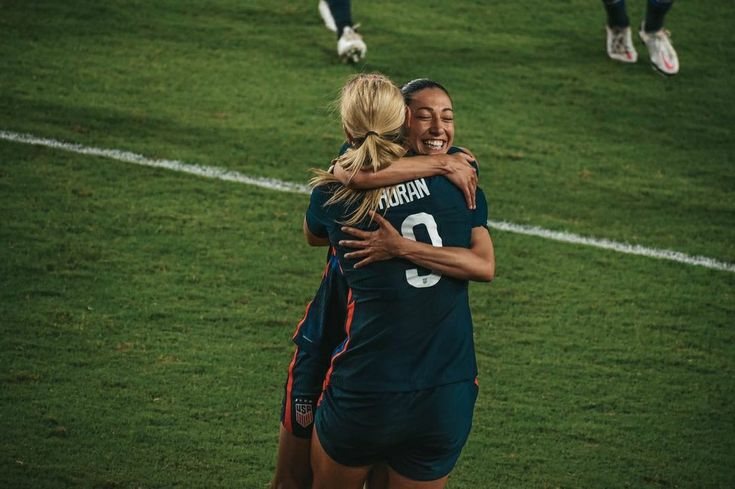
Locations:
293 470
328 474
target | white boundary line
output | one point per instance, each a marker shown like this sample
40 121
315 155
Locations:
128 157
606 244
273 184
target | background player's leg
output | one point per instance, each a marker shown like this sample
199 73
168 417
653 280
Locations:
328 474
660 50
341 13
617 15
619 42
293 470
326 15
655 14
350 45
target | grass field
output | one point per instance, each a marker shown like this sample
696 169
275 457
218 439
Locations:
147 314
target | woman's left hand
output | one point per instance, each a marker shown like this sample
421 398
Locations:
381 244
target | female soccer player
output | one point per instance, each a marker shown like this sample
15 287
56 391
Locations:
322 330
401 386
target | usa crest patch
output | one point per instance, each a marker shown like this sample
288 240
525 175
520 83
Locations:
304 412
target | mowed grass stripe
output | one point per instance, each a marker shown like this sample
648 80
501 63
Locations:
283 186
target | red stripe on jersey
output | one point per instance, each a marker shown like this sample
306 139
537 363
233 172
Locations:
287 421
348 326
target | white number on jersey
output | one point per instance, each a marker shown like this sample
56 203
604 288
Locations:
407 227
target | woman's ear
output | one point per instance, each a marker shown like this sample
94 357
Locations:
408 117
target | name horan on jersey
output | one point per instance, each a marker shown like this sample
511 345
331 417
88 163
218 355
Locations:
404 193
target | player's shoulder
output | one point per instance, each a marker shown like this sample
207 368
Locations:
443 190
457 149
320 194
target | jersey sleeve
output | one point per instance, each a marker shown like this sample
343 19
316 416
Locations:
479 214
316 217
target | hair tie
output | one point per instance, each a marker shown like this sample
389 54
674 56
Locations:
372 132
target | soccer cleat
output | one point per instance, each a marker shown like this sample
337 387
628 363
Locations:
620 45
327 16
350 47
662 53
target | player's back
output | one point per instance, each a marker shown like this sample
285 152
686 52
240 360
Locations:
408 327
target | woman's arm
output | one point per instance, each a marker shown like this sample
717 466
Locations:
474 263
456 167
312 238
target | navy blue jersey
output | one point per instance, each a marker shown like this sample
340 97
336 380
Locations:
407 327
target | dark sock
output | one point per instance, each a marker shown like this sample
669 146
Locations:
655 14
342 13
616 14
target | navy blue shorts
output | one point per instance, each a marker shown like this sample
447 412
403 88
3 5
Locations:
419 434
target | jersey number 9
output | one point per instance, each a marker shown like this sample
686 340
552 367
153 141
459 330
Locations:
407 230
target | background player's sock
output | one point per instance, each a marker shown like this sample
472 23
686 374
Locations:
342 13
616 14
655 14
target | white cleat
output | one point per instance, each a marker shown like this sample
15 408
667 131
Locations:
350 47
327 16
620 45
662 53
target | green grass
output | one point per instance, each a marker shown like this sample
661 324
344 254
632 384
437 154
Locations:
146 314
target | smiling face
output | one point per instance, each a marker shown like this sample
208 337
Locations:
430 126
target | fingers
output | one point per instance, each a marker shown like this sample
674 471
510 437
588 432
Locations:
468 160
378 218
358 233
468 153
364 262
469 196
354 255
340 173
353 244
467 182
386 228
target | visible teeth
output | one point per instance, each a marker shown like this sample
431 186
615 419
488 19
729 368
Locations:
434 143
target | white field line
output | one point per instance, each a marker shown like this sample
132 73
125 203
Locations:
273 184
128 157
606 244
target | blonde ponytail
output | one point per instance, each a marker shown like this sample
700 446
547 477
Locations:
372 112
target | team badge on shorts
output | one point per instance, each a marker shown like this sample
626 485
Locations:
304 412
